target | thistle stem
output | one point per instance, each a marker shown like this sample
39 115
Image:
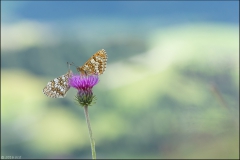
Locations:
90 132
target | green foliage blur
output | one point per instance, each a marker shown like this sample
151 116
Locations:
172 92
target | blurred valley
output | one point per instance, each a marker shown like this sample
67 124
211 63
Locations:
171 88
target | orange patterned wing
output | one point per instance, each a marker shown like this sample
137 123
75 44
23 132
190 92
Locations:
96 64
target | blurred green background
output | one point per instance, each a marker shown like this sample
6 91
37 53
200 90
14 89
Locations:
171 88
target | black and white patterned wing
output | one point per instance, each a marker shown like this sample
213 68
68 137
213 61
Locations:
58 87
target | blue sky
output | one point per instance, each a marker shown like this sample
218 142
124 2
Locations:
219 11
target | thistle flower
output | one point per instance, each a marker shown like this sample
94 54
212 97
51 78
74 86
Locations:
84 84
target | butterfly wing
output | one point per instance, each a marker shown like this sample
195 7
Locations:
96 64
58 87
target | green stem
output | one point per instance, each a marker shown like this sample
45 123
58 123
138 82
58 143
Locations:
90 132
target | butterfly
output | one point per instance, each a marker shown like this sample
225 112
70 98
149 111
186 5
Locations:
95 65
58 87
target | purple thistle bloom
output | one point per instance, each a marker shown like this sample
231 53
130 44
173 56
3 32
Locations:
84 85
82 82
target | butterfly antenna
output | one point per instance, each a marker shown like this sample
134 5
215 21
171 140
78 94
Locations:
69 64
73 64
